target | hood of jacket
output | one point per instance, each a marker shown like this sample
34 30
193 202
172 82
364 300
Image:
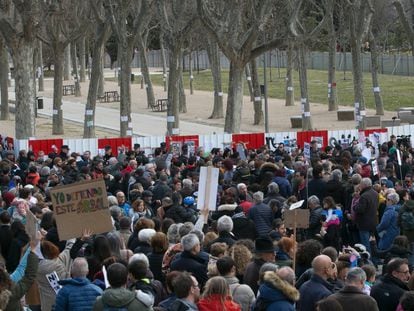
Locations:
75 282
118 297
227 207
275 289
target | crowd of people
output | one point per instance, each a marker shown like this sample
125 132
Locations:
167 253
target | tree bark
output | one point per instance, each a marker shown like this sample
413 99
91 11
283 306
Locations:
67 65
303 80
190 69
164 63
257 103
183 100
102 34
173 118
125 57
59 57
41 79
4 81
142 44
82 59
75 69
101 85
290 94
214 59
379 106
249 82
358 83
332 97
235 98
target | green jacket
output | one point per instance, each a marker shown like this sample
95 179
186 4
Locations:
19 289
119 298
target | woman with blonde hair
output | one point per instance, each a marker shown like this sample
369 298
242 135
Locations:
216 296
242 256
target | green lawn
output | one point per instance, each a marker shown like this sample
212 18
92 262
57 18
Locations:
396 91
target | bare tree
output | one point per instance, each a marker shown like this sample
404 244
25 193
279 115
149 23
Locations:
405 21
102 33
257 99
66 21
290 93
75 71
127 19
237 25
214 59
359 13
177 20
82 59
18 25
4 73
164 62
40 72
332 98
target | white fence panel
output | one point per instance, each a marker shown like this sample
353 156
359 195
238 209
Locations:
210 141
273 139
81 145
148 143
20 144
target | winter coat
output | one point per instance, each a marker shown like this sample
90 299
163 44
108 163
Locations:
19 289
387 291
352 298
262 216
407 207
155 260
366 210
241 293
388 227
182 305
313 291
336 189
191 263
213 303
251 275
119 298
317 186
179 214
277 294
285 189
243 228
77 294
315 218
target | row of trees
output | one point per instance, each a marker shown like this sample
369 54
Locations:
242 30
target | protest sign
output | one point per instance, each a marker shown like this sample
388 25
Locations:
241 151
207 188
79 206
306 150
375 168
296 218
53 280
31 225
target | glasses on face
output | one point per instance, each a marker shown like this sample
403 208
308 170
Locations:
404 272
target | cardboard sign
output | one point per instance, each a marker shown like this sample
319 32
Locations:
306 150
207 188
32 225
53 280
80 206
296 217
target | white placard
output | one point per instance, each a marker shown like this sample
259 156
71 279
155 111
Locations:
377 89
175 131
55 111
53 280
89 123
191 77
220 94
303 100
248 78
170 119
257 99
302 108
307 114
290 88
129 132
130 124
399 157
105 275
89 112
296 205
146 86
207 188
306 150
329 85
362 112
356 105
375 169
124 118
165 75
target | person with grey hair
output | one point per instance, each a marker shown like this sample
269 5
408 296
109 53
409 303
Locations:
189 259
315 217
77 293
224 228
366 212
336 188
261 214
351 297
273 194
173 234
388 228
144 238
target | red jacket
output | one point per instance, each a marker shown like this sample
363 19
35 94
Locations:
213 303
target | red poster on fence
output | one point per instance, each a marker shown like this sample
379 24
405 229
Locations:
115 143
252 141
308 136
45 145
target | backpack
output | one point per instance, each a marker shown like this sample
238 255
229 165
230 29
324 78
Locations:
407 220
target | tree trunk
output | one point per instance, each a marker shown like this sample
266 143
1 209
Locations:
379 106
358 83
66 70
173 118
59 57
40 66
235 98
145 71
214 59
190 69
257 104
101 85
303 80
183 101
125 61
249 82
332 98
82 59
75 70
102 35
164 63
4 83
25 122
290 96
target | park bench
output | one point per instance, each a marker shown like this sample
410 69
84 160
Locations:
110 96
160 105
69 89
346 114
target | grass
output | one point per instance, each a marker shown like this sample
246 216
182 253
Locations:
396 91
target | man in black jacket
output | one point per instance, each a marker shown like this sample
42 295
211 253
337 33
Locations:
315 217
389 289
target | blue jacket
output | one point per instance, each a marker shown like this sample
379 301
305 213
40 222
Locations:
313 291
262 216
77 294
388 225
285 189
